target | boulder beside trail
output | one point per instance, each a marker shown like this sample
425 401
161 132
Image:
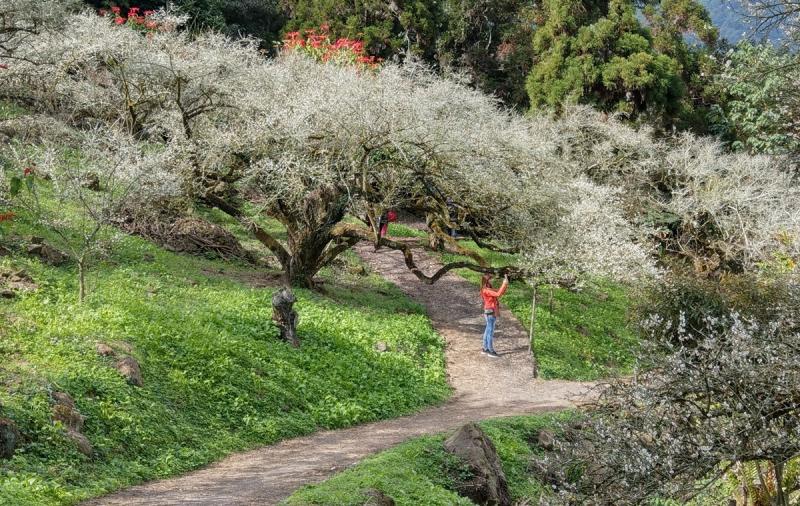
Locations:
377 498
12 282
65 411
104 350
488 485
130 370
125 364
82 442
47 253
546 440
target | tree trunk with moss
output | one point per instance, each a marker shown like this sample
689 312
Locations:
284 315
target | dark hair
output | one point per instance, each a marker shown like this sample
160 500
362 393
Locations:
486 280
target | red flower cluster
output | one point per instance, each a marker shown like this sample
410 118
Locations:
133 17
28 171
368 60
7 216
318 45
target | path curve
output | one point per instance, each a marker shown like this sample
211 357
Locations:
484 387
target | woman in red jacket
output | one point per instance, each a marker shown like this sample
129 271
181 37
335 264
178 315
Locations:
491 308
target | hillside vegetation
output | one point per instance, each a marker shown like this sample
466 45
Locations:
422 472
216 379
580 334
648 169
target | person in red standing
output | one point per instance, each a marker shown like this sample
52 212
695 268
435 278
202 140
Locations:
385 219
491 309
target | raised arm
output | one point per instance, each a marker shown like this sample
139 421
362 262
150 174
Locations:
499 292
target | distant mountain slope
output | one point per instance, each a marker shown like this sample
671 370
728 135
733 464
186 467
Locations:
728 16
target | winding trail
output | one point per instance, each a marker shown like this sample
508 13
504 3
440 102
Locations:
483 387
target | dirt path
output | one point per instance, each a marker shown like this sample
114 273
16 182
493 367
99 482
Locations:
484 388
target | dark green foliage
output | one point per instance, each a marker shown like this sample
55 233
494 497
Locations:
600 53
759 100
491 42
125 4
387 28
262 19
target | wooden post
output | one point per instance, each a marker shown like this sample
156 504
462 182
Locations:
531 342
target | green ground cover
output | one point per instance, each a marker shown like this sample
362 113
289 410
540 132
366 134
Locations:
420 472
583 335
216 378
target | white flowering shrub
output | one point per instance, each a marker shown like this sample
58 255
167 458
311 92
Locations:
716 392
22 20
76 195
718 210
311 143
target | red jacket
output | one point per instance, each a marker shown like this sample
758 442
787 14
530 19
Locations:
490 297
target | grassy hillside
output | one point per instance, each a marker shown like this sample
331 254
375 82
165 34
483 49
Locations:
421 472
216 379
581 335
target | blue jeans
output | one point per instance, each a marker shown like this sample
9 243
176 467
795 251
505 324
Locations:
488 334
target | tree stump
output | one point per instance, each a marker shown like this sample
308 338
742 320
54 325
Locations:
10 438
284 316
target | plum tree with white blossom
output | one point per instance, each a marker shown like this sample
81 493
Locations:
717 392
312 143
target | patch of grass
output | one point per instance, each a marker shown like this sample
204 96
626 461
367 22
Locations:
10 110
401 230
579 335
421 472
216 378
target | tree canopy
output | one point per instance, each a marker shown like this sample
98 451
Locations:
600 53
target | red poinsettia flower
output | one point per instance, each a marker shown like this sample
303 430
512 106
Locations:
115 10
133 11
28 171
120 21
102 12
